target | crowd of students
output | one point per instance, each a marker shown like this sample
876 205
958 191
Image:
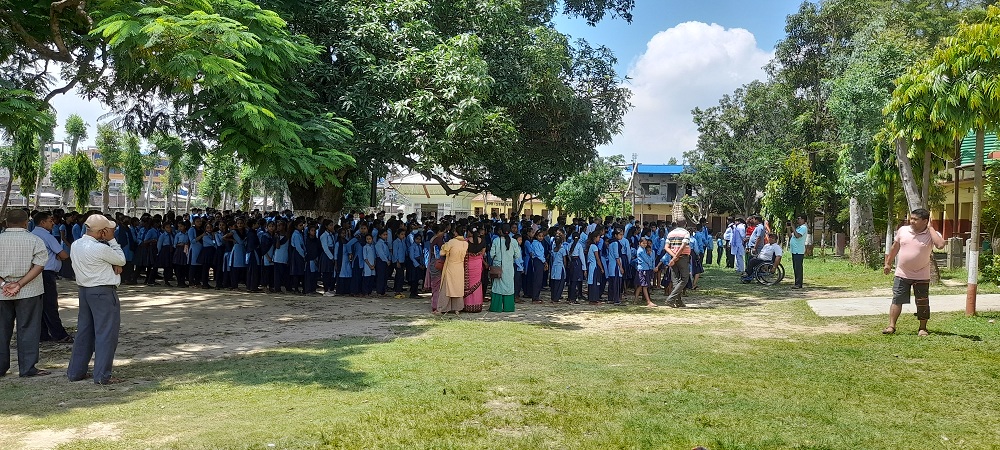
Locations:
580 260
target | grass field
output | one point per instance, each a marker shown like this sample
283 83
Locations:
754 375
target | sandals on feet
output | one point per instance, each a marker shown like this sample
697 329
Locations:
889 330
923 332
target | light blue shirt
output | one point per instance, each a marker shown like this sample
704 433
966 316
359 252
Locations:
369 253
644 260
797 245
557 270
52 245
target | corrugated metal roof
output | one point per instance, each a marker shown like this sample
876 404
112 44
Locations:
660 169
969 148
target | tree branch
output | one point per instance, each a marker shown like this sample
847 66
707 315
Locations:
33 44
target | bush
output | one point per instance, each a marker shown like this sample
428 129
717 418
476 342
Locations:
989 267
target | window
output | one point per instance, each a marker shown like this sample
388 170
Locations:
479 211
651 188
671 192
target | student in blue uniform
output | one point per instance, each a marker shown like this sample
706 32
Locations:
595 269
253 257
237 237
644 270
345 260
282 254
615 270
266 251
150 240
220 266
182 245
357 268
207 256
328 257
311 277
399 253
577 263
417 264
368 255
123 235
557 269
297 257
194 251
165 252
382 260
663 267
538 265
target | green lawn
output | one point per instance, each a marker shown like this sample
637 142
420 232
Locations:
635 378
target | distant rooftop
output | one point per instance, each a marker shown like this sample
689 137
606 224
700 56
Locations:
660 169
990 149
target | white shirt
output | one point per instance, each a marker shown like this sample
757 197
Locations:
769 252
92 261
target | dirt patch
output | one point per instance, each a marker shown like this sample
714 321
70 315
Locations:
160 324
49 438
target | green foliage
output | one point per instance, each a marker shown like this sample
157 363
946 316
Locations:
220 177
87 180
989 267
235 64
740 142
64 172
76 131
133 167
792 188
587 193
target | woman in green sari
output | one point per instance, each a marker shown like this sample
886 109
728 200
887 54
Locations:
503 253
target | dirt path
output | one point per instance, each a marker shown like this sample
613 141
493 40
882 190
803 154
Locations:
172 324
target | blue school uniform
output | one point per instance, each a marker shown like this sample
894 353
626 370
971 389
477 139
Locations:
327 243
238 256
164 249
297 255
180 240
194 252
368 251
557 270
592 269
150 251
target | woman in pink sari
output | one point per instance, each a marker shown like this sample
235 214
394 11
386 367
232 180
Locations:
474 272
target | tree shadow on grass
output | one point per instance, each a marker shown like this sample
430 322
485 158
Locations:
323 364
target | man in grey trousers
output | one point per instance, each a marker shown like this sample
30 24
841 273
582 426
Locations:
97 261
23 258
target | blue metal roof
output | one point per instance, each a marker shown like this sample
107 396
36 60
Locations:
660 169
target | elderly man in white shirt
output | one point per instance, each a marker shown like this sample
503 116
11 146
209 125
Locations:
24 257
97 261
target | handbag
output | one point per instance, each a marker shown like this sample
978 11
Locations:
439 264
497 271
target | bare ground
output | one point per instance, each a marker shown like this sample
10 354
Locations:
166 324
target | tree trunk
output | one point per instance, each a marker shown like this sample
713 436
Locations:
913 199
864 241
926 186
106 193
38 182
977 196
316 201
6 195
187 207
149 190
890 225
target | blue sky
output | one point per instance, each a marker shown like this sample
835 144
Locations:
683 54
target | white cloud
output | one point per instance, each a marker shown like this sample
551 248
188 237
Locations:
72 103
690 65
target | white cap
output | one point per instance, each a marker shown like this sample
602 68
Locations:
98 222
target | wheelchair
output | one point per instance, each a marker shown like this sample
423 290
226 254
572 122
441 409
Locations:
768 274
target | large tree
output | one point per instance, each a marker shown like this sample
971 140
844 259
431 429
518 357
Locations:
220 70
486 92
109 145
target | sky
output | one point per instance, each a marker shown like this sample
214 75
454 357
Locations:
678 54
682 54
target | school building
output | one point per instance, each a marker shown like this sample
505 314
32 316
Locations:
954 217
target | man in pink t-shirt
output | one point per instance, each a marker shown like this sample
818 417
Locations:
913 245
